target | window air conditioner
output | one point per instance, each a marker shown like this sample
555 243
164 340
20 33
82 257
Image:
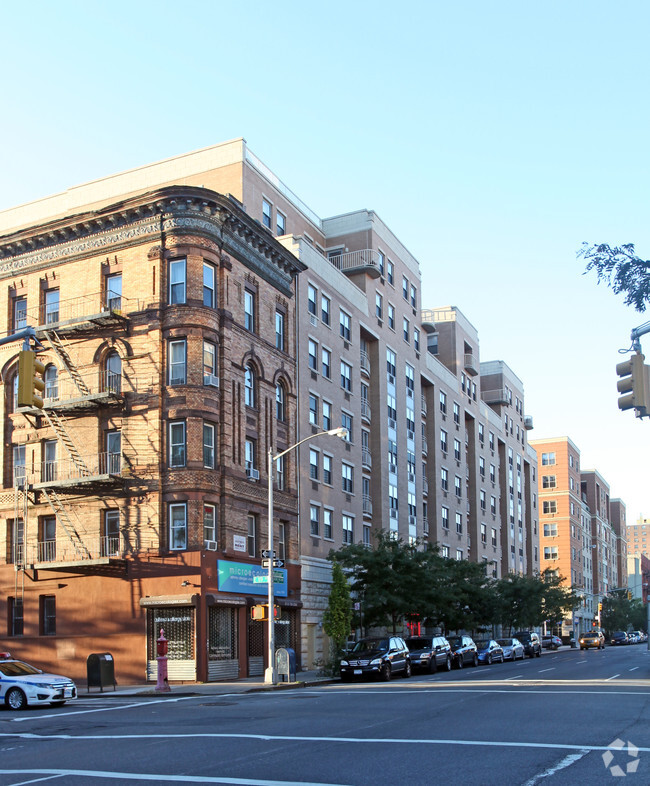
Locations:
253 474
211 379
211 545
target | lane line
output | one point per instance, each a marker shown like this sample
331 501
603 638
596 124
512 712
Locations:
158 777
612 678
541 671
567 761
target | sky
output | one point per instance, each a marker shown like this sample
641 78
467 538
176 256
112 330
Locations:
494 139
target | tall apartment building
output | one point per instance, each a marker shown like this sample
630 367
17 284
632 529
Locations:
245 322
638 536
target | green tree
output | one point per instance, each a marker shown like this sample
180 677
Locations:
621 613
621 269
338 614
557 598
521 601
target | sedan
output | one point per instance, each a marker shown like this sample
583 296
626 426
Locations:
550 642
513 649
489 651
594 639
22 685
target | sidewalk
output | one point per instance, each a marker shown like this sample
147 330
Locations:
304 679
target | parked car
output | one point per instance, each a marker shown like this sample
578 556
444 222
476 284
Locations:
376 656
489 651
550 642
463 651
619 637
592 639
513 649
641 636
531 642
430 653
22 685
632 637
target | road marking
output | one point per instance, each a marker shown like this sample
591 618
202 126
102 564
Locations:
567 761
310 739
612 678
581 661
634 669
157 777
541 671
59 714
516 677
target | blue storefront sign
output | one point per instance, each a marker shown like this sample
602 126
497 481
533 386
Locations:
242 577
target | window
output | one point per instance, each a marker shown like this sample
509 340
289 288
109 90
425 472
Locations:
178 526
325 309
345 325
209 285
459 523
406 329
380 262
249 310
347 478
51 306
456 413
346 376
458 488
114 452
20 313
549 506
280 473
483 499
19 467
391 363
51 380
177 362
114 292
481 466
493 473
15 621
313 409
445 551
282 540
348 528
379 306
208 445
391 408
266 213
210 374
457 453
312 350
366 535
177 279
405 288
311 299
445 517
550 530
280 402
414 296
491 440
177 444
326 363
113 383
390 271
249 386
459 555
209 522
416 339
493 505
250 457
484 534
47 614
391 316
327 470
280 223
548 481
327 416
443 440
494 536
280 331
15 540
548 459
443 402
110 543
444 479
550 552
314 456
314 520
252 535
346 422
49 460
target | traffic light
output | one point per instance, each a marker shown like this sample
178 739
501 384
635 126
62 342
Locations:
30 379
259 612
600 607
634 382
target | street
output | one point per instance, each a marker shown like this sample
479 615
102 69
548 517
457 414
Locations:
554 719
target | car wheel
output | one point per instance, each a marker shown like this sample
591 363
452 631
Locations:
57 703
384 672
489 659
503 658
459 662
448 664
407 670
538 653
475 660
433 666
16 699
346 678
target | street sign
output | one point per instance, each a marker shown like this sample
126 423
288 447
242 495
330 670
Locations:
267 563
267 553
278 578
277 563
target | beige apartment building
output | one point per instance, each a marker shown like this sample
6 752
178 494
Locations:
236 320
638 536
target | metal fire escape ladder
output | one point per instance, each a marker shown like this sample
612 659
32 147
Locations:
58 423
63 518
63 354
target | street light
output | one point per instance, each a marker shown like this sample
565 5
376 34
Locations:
270 675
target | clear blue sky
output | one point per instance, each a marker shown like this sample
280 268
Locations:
493 138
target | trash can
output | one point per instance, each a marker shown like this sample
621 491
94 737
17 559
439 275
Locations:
100 669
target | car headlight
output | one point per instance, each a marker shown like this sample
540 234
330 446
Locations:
344 663
375 662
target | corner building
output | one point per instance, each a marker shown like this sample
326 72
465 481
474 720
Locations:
315 323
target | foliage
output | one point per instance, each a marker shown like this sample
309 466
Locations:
622 270
338 614
557 599
621 613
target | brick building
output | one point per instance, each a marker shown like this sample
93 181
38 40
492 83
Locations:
244 321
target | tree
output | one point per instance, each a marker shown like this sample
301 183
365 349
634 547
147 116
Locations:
521 601
622 270
557 598
621 613
338 614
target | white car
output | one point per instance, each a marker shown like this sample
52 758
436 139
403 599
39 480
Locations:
22 685
513 649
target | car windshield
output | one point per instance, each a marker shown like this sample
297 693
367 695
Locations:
505 642
16 668
482 643
619 633
419 644
370 646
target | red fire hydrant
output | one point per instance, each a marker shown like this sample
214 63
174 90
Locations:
162 685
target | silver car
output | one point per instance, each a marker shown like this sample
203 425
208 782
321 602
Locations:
513 649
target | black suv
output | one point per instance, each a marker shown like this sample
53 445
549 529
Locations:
531 642
376 657
430 652
464 651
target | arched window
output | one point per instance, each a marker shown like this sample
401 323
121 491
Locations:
280 402
51 379
113 382
14 394
249 386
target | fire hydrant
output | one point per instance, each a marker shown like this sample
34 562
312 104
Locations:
162 685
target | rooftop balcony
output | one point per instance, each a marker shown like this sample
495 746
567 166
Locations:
366 260
499 396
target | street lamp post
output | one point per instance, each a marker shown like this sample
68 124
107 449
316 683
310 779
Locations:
271 675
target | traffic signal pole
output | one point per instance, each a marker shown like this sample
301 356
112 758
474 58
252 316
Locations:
634 377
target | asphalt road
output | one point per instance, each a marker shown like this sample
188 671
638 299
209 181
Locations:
549 720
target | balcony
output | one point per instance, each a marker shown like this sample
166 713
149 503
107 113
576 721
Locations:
366 458
470 364
365 260
99 469
425 486
528 423
367 505
423 406
499 396
425 446
365 410
87 391
82 313
63 554
364 362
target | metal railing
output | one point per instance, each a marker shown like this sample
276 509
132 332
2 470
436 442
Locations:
367 504
64 387
423 406
365 362
64 550
365 409
499 396
366 458
78 308
85 468
356 260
